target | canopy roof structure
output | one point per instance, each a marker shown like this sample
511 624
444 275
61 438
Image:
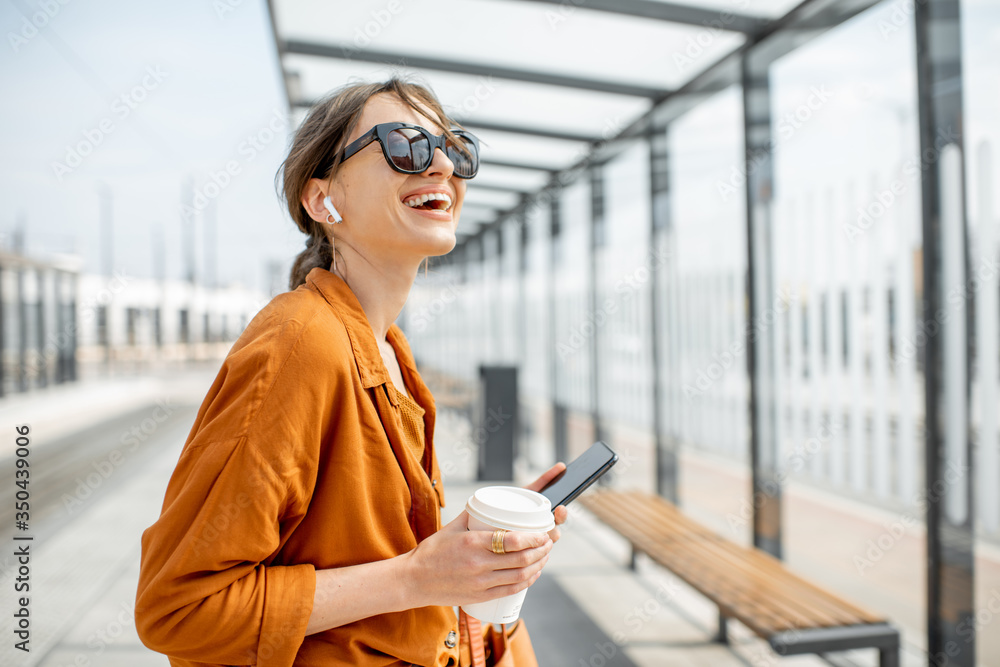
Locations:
547 85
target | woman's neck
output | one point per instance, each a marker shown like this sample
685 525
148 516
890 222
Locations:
382 294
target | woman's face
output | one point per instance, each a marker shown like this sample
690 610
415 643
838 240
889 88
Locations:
371 196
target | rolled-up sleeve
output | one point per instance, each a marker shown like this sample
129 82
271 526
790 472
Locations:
211 589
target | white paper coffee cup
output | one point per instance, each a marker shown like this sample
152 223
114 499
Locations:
511 508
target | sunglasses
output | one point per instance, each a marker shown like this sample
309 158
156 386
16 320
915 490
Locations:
409 149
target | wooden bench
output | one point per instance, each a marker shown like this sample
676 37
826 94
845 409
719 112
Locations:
747 584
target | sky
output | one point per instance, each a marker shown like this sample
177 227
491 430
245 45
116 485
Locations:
128 100
174 115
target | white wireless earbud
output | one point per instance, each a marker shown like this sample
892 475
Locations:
332 209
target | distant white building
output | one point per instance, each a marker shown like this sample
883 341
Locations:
53 318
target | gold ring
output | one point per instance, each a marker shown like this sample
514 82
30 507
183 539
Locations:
497 546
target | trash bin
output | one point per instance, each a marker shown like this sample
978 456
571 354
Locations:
495 423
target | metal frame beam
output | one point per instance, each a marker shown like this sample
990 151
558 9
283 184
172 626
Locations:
546 133
520 165
497 187
562 135
672 13
403 59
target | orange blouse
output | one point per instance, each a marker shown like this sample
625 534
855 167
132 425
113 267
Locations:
303 456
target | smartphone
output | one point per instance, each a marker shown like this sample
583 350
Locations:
580 474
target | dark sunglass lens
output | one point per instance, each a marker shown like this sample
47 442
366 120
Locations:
408 149
464 158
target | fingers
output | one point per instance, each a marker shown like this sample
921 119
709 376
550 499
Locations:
514 541
547 477
561 514
518 568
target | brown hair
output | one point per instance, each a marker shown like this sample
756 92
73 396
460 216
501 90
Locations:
316 150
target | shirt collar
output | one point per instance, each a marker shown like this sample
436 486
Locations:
366 351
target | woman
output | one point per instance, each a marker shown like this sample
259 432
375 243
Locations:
302 523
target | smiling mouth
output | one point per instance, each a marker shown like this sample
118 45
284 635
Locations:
435 201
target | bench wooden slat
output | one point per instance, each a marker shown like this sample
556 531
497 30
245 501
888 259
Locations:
747 584
740 592
801 600
772 564
764 561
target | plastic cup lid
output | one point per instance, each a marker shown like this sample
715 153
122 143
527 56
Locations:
512 508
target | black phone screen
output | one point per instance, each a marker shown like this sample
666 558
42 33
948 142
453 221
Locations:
580 474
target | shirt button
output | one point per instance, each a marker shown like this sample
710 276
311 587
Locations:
451 640
434 482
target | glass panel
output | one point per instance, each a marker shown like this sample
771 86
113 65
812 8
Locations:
535 375
708 388
845 242
980 72
574 332
625 49
769 8
622 314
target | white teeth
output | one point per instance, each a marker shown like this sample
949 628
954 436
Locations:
423 199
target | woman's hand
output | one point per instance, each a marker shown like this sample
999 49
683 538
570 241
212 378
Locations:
560 513
456 566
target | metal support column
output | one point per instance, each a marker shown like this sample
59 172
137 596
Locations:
596 241
73 327
62 333
659 230
559 436
951 620
761 350
22 332
43 356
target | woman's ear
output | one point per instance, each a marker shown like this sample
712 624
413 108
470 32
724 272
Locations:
312 199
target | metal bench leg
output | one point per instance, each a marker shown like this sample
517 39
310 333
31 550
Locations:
722 636
888 657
